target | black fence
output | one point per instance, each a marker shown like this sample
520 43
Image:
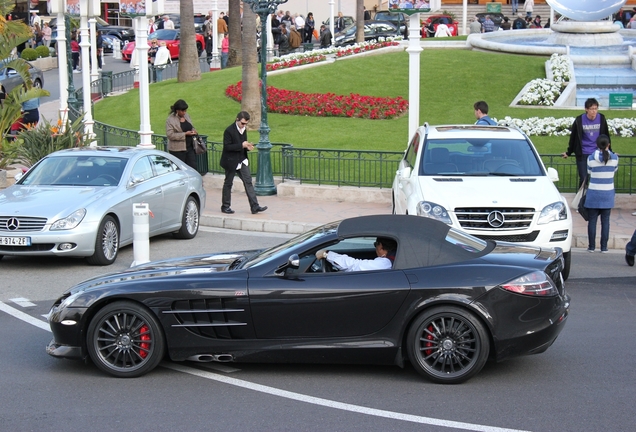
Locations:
359 168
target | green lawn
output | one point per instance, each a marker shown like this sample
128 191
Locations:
451 81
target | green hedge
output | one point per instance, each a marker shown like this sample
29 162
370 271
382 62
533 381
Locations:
29 54
42 51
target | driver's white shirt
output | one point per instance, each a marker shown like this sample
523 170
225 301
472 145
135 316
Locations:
348 264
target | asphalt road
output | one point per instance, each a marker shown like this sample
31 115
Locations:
584 382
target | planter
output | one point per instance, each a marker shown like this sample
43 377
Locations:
3 179
45 63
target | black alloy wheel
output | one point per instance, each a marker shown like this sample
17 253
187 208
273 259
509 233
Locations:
448 345
125 340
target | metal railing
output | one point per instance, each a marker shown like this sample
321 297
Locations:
359 168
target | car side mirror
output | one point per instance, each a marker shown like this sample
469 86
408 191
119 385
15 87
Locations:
553 174
135 179
293 261
405 172
18 176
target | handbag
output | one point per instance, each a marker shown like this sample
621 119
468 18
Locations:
577 198
199 147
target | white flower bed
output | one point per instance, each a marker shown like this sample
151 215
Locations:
551 126
545 92
332 50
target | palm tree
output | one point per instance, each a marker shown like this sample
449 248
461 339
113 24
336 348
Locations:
359 20
235 11
189 69
12 34
251 101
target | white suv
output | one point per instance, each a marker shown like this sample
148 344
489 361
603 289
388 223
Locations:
486 180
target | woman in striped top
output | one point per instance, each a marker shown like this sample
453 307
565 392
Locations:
601 167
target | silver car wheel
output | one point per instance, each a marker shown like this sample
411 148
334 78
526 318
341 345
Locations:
110 240
192 217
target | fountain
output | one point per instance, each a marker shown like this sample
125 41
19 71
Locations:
601 52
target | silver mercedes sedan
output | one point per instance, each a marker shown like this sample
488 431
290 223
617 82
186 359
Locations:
79 202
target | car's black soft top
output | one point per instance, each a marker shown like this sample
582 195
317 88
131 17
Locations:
421 241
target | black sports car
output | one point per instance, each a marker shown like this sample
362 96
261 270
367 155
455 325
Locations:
450 302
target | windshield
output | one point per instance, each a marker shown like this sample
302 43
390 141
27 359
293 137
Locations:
480 157
283 249
76 171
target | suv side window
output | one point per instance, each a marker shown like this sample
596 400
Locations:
411 152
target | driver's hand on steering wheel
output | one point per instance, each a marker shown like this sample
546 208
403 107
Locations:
321 254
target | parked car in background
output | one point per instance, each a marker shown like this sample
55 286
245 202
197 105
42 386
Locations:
488 181
79 202
199 20
448 303
399 19
123 33
348 20
436 20
109 41
372 31
10 79
173 42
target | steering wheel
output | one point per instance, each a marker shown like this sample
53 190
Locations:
112 180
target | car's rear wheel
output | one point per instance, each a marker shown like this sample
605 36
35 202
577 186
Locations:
567 258
199 48
37 83
189 220
106 243
447 345
125 340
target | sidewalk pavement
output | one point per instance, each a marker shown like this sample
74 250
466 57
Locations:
297 208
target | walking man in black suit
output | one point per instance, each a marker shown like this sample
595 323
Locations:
234 162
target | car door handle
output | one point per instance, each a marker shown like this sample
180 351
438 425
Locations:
158 192
182 183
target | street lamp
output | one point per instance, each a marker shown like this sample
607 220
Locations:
264 178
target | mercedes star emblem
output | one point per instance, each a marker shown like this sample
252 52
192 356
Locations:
13 224
496 219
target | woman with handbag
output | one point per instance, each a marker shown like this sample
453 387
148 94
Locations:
599 199
181 133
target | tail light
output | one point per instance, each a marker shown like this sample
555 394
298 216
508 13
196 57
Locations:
536 283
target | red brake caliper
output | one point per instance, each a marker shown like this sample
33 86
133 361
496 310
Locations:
144 337
429 336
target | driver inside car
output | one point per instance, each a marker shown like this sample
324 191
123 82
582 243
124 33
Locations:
384 247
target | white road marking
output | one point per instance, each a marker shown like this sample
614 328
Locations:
24 317
219 367
290 395
333 404
21 301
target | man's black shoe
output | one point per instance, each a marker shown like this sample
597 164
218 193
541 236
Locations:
629 259
227 210
259 209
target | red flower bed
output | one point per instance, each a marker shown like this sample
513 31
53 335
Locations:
363 47
295 62
327 104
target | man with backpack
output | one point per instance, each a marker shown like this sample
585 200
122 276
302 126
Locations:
519 23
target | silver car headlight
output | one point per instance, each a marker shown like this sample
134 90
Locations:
70 221
434 211
553 212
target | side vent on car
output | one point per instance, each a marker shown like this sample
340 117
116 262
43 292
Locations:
212 318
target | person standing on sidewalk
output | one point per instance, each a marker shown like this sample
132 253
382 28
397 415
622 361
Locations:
234 162
583 135
599 200
630 250
180 133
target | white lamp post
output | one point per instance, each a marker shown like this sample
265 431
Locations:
215 61
332 26
414 49
93 38
58 7
85 45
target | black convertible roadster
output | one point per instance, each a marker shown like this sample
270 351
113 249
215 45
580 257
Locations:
449 303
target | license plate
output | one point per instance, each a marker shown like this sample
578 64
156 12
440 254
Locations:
15 241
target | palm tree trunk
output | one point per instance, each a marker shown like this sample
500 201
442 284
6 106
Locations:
235 11
189 69
251 89
359 21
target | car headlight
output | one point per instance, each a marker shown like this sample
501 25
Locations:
434 211
70 221
553 212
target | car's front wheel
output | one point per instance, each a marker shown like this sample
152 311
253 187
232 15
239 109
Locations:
106 243
189 220
448 345
125 340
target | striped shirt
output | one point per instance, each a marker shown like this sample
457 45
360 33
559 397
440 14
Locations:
600 193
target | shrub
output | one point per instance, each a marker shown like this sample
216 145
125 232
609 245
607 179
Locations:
29 54
42 51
